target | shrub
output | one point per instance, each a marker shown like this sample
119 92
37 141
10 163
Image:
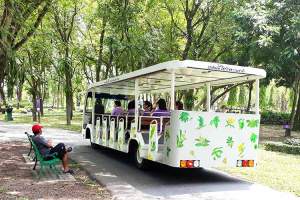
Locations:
269 117
290 149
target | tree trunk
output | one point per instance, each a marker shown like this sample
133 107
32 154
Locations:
100 55
34 116
19 96
250 96
297 115
3 63
68 88
295 99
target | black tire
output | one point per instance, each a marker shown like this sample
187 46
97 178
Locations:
93 145
140 163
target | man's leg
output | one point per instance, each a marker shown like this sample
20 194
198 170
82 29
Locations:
62 154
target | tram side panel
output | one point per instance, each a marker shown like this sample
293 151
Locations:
211 139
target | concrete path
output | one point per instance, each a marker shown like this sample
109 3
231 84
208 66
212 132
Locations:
125 181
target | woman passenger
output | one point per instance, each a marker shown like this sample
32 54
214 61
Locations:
118 110
161 109
131 107
147 108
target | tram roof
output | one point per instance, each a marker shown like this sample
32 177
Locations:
189 74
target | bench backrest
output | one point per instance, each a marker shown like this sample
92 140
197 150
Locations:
35 149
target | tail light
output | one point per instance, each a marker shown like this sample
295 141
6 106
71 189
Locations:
189 163
245 163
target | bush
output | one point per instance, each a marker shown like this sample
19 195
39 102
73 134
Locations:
270 117
290 149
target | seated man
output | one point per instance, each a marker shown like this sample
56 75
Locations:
46 148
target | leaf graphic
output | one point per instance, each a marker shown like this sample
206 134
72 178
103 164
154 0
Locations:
180 139
241 123
201 122
217 152
253 138
202 142
252 123
215 121
184 116
230 141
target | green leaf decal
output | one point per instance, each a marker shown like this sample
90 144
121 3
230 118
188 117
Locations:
230 141
217 153
241 123
180 139
201 142
153 146
252 123
167 134
201 122
215 121
168 151
253 138
184 116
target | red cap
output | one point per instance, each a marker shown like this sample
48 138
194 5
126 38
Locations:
36 128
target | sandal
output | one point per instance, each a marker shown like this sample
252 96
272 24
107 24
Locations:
69 149
70 171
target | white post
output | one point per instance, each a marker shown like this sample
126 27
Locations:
93 111
257 96
136 98
208 97
173 90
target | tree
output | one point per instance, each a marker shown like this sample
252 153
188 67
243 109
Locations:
64 15
19 21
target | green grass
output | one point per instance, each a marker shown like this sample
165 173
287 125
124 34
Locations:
278 170
52 120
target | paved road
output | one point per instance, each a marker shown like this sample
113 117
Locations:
125 181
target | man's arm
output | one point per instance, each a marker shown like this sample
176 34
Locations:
47 143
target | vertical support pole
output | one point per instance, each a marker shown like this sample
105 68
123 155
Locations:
208 97
173 90
93 111
136 98
257 96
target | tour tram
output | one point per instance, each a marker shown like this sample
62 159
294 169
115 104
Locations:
183 139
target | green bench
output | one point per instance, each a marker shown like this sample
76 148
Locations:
50 161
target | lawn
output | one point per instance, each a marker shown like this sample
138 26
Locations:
51 119
278 170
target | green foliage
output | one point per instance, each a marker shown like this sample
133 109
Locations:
242 96
283 148
269 117
232 99
263 97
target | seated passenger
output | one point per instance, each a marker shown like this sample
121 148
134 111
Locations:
131 107
161 109
147 108
118 110
178 105
99 108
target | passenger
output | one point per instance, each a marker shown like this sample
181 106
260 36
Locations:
147 108
46 147
178 105
131 107
118 110
161 109
99 108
